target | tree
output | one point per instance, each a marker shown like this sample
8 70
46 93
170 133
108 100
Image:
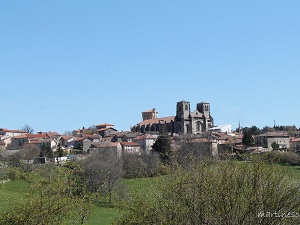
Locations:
54 199
28 154
102 173
59 153
218 192
248 140
28 129
162 145
46 151
274 146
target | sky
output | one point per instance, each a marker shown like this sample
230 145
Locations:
68 64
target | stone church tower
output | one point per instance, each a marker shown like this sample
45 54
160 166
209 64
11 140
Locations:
187 122
183 117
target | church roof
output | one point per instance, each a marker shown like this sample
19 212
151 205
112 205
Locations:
157 120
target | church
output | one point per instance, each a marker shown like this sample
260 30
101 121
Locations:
185 121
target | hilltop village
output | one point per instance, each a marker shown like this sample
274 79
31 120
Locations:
187 125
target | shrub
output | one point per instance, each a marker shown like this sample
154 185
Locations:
219 192
291 158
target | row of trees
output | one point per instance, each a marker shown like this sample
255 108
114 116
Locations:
254 130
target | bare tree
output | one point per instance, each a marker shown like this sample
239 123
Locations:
103 173
28 154
28 129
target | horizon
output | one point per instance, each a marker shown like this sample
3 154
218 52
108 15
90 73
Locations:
67 65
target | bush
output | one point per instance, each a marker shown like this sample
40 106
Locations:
219 192
291 158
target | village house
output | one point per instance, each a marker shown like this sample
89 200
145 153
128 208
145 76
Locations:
131 148
265 140
295 144
146 141
114 148
6 135
18 142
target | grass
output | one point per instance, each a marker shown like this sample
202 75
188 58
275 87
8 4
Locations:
12 191
103 215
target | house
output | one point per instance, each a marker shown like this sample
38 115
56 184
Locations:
18 142
295 144
146 141
64 140
6 135
40 143
114 148
131 148
106 132
104 125
265 140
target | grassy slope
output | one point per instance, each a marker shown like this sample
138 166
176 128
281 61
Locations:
101 215
13 190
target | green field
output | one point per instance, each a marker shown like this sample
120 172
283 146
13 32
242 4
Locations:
14 190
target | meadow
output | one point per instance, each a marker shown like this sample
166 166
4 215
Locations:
102 214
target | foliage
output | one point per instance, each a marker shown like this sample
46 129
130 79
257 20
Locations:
253 130
102 174
218 192
274 145
53 199
291 158
248 140
162 145
145 165
28 154
46 151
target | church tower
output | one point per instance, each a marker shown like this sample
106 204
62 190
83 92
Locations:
204 108
183 117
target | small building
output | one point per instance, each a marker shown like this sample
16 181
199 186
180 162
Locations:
114 148
295 144
265 140
106 132
146 141
131 148
222 128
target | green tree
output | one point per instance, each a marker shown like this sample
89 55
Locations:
248 140
56 197
218 192
162 145
274 146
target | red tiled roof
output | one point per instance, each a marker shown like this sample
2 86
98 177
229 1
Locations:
50 134
14 131
65 137
30 136
273 134
157 120
295 140
105 144
38 141
146 136
130 143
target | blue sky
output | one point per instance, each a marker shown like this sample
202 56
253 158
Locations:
69 64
